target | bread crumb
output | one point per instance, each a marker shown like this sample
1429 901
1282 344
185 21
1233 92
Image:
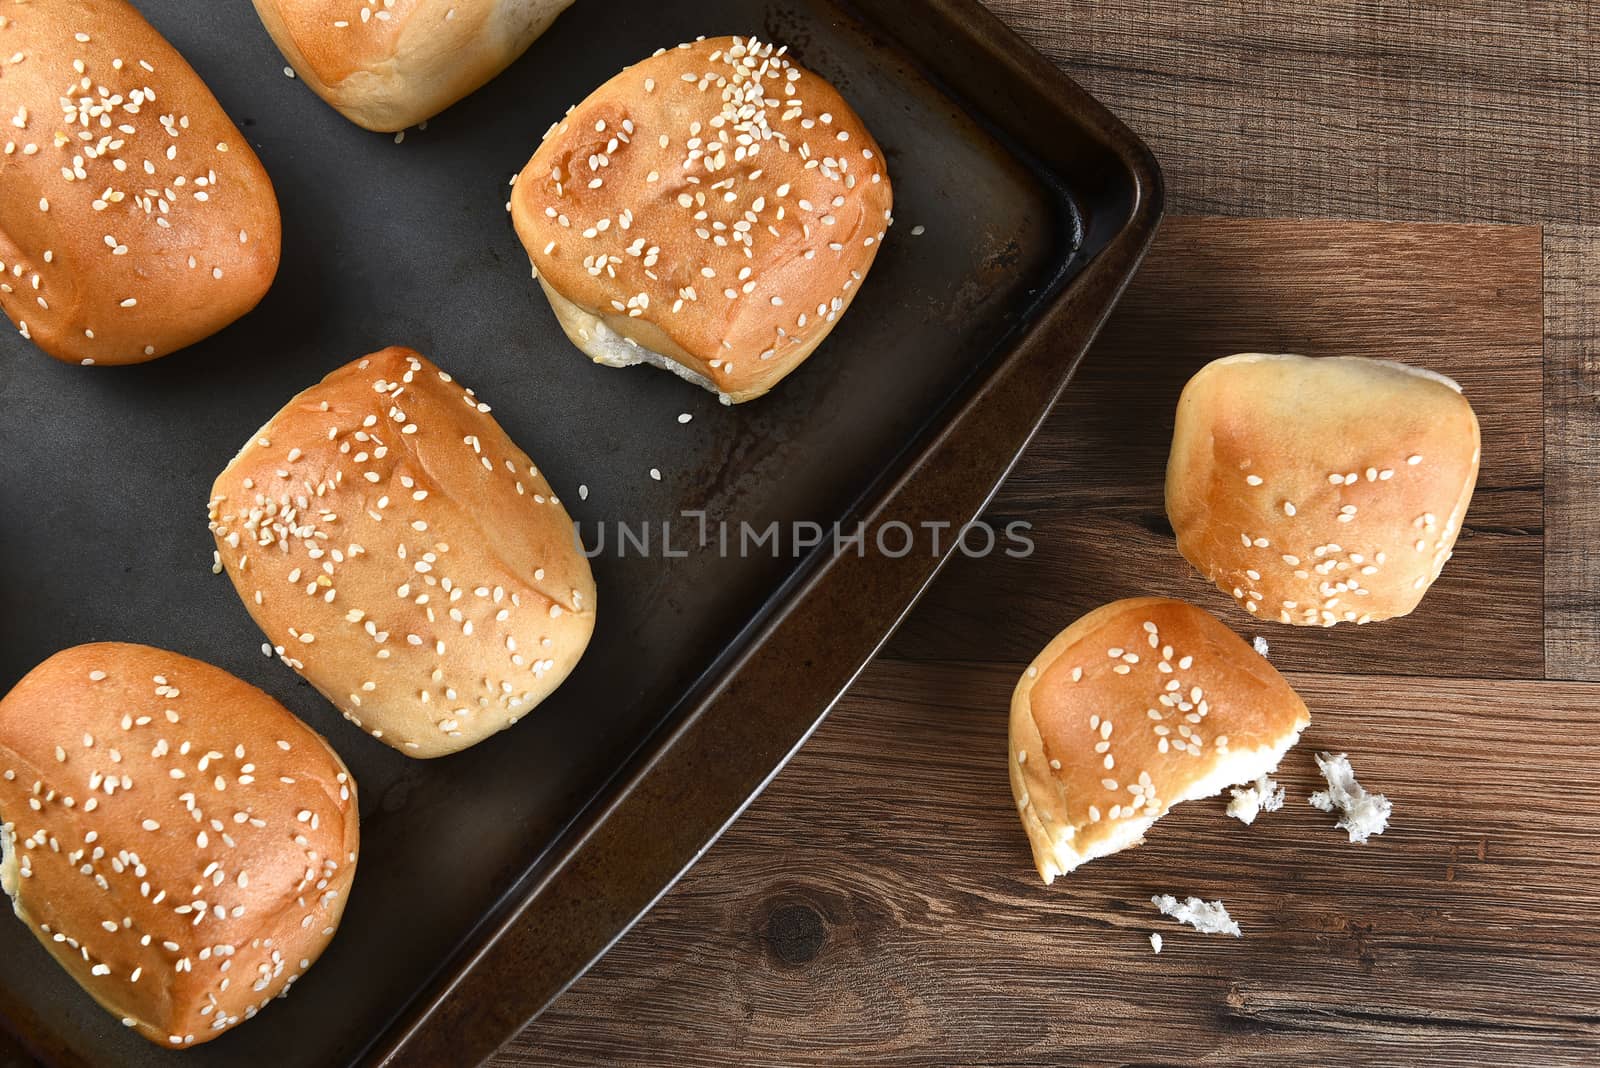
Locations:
1261 647
1207 917
1362 814
1250 801
1155 943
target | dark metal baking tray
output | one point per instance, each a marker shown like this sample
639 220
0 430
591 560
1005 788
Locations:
489 880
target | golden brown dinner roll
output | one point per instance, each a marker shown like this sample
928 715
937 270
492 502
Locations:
178 841
403 554
1137 706
1320 491
389 64
711 211
134 219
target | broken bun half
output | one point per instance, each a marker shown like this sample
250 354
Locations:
1139 705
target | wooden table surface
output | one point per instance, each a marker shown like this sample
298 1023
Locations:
877 905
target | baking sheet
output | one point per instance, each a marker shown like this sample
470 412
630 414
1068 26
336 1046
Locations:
105 474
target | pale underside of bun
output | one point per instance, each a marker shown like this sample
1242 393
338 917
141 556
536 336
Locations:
405 556
10 878
1138 706
593 333
179 842
389 64
715 205
134 218
1321 491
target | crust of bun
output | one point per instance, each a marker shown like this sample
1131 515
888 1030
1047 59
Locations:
405 556
134 218
681 212
1321 491
1137 706
389 64
179 842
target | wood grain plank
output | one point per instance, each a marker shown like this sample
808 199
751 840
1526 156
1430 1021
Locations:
1572 452
877 903
1463 300
1475 110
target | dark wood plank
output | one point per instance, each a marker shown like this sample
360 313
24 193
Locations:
1464 300
877 904
1572 452
1476 110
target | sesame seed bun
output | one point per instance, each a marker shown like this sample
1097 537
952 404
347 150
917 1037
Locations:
134 219
400 552
1320 491
1139 705
178 841
389 64
711 210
